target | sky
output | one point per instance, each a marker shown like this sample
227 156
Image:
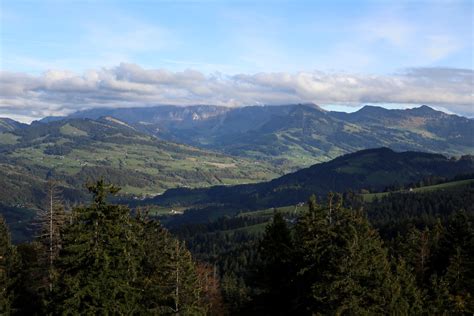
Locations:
57 57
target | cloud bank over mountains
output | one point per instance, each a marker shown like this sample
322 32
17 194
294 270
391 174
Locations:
26 97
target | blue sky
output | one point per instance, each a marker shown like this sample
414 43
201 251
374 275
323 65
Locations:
231 36
359 38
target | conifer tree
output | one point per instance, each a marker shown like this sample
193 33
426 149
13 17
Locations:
417 251
100 258
276 270
169 279
7 257
343 266
187 293
408 296
28 274
156 284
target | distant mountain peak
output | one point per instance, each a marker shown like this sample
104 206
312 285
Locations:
312 105
8 125
424 110
372 109
425 107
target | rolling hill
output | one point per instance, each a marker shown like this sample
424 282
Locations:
74 151
295 136
373 169
8 125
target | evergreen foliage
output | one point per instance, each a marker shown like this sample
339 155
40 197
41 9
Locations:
7 257
407 254
337 257
343 267
112 262
99 262
276 269
105 261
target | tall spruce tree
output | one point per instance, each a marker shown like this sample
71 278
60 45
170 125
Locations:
408 296
187 293
100 259
276 269
28 273
155 281
169 279
343 267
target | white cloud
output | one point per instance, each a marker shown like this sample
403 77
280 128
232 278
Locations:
61 92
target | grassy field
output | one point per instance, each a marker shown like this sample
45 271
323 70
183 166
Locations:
442 186
8 139
156 210
252 229
288 210
151 167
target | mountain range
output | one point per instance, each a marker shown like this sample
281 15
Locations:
151 149
299 135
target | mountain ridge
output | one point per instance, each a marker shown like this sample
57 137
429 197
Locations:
8 124
298 135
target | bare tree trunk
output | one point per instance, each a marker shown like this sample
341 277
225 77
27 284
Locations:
330 197
50 219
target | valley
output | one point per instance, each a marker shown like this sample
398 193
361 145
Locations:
205 162
229 183
221 158
79 150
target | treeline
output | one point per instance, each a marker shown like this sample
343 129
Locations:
336 257
421 243
332 261
100 259
396 213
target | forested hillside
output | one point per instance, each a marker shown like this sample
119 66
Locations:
420 249
373 170
397 239
407 253
99 259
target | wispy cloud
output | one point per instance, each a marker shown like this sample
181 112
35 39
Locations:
62 92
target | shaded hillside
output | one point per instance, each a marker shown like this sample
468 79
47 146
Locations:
373 169
8 125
